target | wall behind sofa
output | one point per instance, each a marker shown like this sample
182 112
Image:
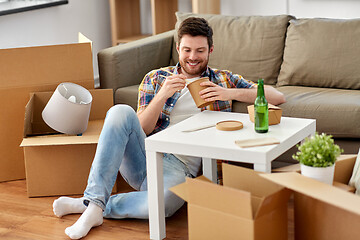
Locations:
299 8
325 8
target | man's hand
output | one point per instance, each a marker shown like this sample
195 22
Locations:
150 115
215 92
171 85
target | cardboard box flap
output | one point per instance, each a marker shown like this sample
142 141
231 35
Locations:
248 180
290 168
273 107
272 202
317 190
33 122
344 187
255 204
344 167
90 136
218 198
29 109
83 39
47 65
181 189
103 100
266 195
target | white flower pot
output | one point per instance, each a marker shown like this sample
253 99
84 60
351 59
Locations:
322 174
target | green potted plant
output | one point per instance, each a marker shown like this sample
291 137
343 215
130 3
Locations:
317 156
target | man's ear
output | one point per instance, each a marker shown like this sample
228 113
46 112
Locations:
211 49
177 47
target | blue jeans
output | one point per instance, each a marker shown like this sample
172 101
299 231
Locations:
121 147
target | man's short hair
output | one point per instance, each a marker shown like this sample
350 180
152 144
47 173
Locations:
196 26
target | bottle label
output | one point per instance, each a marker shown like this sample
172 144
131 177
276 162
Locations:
261 118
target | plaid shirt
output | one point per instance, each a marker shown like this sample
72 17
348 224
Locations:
152 83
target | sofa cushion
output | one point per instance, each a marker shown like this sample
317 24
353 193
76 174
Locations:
127 95
322 53
251 46
240 107
337 111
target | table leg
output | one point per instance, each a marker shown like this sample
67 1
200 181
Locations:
263 167
210 169
154 168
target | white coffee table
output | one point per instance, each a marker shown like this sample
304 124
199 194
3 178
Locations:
212 144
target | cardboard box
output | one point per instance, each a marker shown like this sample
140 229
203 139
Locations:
34 69
274 114
323 212
245 207
343 170
59 164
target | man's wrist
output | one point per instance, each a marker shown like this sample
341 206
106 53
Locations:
160 98
233 94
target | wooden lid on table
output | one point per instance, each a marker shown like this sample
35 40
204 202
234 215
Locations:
230 125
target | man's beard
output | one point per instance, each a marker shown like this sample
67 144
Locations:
194 72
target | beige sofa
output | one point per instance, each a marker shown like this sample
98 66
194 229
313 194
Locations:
314 62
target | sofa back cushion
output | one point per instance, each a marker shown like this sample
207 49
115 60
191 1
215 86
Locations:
251 46
322 53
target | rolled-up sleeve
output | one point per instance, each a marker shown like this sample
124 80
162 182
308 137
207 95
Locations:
146 92
241 82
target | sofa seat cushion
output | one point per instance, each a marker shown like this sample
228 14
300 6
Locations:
337 111
240 107
322 53
251 46
127 95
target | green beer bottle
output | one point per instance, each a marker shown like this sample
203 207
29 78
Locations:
261 112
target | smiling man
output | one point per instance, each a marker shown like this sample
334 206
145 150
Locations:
163 100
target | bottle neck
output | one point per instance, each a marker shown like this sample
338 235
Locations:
260 88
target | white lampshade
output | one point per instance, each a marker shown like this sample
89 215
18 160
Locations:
68 109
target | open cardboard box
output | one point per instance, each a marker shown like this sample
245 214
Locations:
343 170
59 164
275 113
34 69
245 207
323 212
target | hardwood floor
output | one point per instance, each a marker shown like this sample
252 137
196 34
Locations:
23 218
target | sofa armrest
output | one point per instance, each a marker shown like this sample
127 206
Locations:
126 64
